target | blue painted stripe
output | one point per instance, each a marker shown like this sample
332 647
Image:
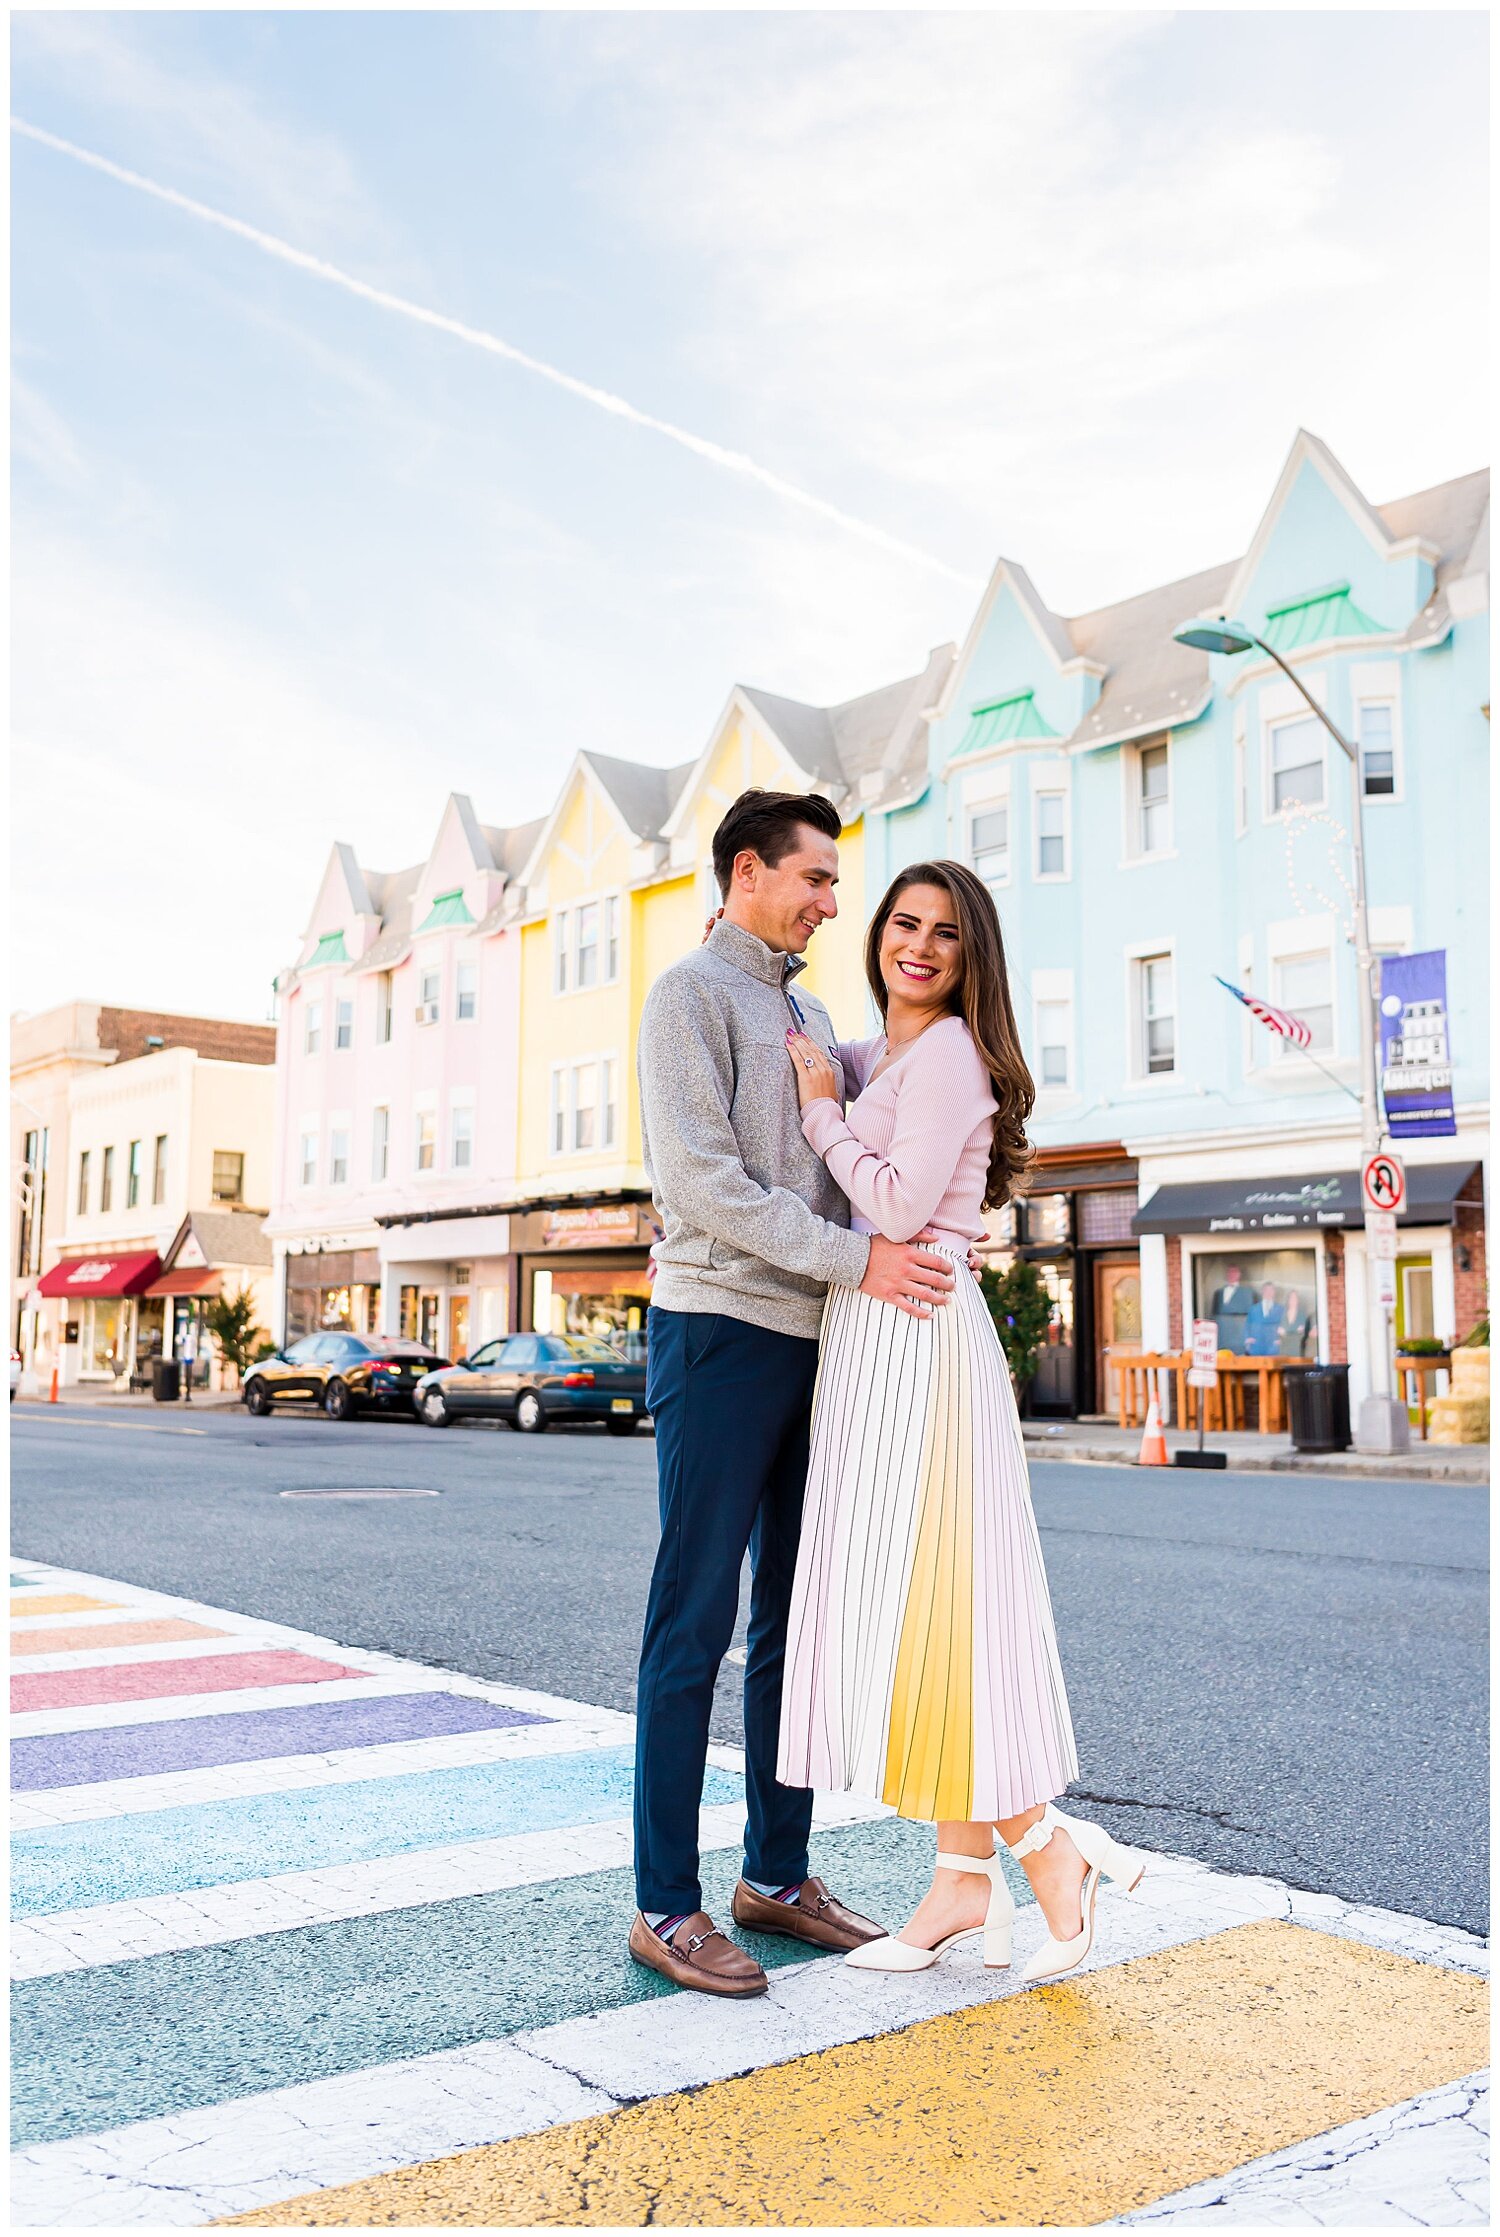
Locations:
140 1751
129 2042
166 1852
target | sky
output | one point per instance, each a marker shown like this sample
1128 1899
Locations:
290 565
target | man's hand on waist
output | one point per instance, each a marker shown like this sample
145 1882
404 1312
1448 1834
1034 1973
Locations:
908 1276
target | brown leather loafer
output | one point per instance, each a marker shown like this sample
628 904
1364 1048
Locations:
700 1955
816 1917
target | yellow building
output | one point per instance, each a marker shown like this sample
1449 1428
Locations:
619 885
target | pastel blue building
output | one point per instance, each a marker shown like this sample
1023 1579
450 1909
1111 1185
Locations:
1152 819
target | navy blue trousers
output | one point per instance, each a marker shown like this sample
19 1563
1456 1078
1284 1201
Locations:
732 1406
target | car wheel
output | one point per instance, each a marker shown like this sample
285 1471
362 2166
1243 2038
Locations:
257 1398
531 1415
338 1400
620 1425
432 1407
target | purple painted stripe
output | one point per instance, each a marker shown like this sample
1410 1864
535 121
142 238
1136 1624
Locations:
136 1751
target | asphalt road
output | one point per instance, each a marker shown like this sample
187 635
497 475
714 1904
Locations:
1272 1674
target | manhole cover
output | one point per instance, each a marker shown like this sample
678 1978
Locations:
380 1494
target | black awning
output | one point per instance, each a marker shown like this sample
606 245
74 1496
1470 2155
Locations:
1309 1200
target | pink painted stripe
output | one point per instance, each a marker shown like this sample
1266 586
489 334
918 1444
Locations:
150 1681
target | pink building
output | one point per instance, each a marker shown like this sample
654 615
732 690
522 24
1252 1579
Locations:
396 1085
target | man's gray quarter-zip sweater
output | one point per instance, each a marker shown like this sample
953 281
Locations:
755 1225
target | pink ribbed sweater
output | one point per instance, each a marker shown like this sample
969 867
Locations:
914 1148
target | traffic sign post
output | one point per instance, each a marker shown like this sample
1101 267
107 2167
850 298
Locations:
1203 1376
1383 1189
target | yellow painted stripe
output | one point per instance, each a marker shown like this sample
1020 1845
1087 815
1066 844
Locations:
55 1603
1061 2107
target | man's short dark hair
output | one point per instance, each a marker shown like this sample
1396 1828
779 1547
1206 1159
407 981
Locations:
768 822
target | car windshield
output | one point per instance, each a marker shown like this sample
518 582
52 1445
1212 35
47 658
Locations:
582 1347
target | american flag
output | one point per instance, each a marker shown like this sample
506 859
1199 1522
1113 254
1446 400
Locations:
1280 1021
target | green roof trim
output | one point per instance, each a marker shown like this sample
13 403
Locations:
1000 720
448 908
330 949
1323 613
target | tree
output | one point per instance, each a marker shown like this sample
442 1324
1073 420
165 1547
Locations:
1022 1312
232 1324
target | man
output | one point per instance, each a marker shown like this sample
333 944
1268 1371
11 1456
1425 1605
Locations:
1231 1304
755 1230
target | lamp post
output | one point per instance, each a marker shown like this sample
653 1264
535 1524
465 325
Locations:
1383 1425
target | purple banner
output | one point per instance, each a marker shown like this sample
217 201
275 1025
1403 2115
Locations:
1416 1069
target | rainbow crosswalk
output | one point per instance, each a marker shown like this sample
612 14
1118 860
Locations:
309 1935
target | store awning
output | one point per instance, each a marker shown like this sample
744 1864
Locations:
125 1275
185 1281
1309 1200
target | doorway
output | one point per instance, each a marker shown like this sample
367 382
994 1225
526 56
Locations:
1117 1323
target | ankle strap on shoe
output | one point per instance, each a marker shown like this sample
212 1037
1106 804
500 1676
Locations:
1036 1836
988 1865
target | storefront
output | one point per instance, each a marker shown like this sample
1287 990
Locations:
107 1317
585 1270
1073 1223
332 1289
1279 1264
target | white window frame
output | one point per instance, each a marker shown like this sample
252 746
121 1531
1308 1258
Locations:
562 963
1053 989
608 944
380 1142
1137 956
1279 705
343 1022
612 942
424 1114
465 988
385 1008
997 804
1287 938
1377 683
430 974
563 1106
1049 779
592 911
312 1029
307 1167
557 1112
461 1106
340 1129
1285 1051
609 1102
1133 778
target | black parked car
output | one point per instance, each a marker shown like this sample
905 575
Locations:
343 1374
533 1381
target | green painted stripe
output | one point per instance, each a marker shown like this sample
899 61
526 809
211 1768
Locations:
128 2042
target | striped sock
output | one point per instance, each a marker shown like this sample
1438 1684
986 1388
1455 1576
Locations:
777 1894
664 1923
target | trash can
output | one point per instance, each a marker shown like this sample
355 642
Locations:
166 1380
1318 1402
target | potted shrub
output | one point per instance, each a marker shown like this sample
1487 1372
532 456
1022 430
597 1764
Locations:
1021 1309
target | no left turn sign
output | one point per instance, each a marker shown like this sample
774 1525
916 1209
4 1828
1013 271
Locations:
1384 1183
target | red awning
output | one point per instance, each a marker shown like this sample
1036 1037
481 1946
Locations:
185 1281
94 1275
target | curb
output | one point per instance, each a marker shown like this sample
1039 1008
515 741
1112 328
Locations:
1397 1467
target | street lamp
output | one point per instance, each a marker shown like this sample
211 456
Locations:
1382 1418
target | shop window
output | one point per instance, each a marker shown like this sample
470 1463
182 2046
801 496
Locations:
1156 1014
312 1038
1051 809
133 1177
106 1181
409 1296
343 1025
338 1157
83 1184
462 1117
466 991
385 1006
380 1142
1297 776
1154 808
1304 985
1377 749
229 1176
1264 1303
989 843
425 1144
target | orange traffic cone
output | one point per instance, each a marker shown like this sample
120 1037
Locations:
1153 1443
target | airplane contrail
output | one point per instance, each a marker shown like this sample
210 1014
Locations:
735 461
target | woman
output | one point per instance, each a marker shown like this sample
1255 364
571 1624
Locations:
921 1665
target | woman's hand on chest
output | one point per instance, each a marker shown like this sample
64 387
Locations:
816 1073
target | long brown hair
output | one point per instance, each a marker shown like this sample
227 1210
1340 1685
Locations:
983 1001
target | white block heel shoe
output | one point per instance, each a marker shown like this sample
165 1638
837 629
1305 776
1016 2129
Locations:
1105 1858
891 1955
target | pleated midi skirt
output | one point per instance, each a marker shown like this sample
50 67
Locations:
921 1666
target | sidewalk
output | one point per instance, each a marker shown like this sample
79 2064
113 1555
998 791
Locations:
79 1396
1102 1441
231 1825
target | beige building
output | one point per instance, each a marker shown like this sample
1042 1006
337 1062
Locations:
127 1126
